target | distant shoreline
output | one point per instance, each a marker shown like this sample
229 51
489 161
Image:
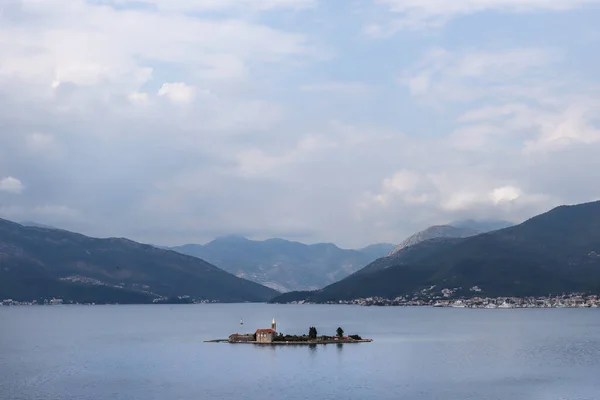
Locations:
570 300
479 307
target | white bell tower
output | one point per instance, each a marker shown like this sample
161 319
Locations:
274 325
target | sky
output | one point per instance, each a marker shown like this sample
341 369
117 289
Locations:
344 121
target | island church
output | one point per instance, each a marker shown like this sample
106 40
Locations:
267 335
263 335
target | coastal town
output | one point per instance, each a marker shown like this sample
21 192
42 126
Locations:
573 300
47 302
559 301
55 301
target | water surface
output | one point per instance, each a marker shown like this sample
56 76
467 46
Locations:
157 352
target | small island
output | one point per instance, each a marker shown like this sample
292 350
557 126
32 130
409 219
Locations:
270 336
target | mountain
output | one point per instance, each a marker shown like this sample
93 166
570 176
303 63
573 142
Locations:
410 255
437 231
35 224
282 264
374 251
555 252
482 226
41 263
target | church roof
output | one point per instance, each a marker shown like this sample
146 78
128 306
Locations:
265 331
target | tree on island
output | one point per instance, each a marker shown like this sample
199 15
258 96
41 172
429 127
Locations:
312 333
340 332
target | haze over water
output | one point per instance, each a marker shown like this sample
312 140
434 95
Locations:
157 352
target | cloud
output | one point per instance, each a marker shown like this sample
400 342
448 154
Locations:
220 5
505 194
11 185
505 112
177 92
314 147
44 145
515 93
409 188
177 121
130 44
453 194
402 182
574 125
139 98
343 88
46 213
422 14
254 162
443 75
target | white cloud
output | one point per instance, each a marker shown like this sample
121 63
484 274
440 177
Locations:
563 129
444 75
310 147
419 84
460 200
127 44
404 185
267 141
440 7
421 14
505 194
474 137
44 144
442 197
344 88
254 162
220 5
44 213
507 112
497 65
514 94
139 98
177 92
11 185
56 212
401 182
487 113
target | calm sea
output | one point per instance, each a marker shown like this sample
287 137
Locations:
157 352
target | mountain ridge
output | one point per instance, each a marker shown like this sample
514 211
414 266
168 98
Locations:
483 226
282 264
556 251
51 260
435 231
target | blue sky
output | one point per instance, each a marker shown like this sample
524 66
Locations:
353 122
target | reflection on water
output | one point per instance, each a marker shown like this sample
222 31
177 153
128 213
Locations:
157 352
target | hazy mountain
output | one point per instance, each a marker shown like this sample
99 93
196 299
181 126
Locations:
411 254
40 262
482 226
374 251
36 225
282 264
437 231
555 252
